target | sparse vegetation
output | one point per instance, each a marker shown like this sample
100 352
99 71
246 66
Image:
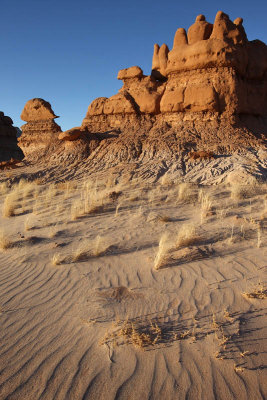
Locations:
163 249
258 292
5 242
57 259
186 236
186 192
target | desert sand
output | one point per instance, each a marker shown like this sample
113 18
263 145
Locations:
91 310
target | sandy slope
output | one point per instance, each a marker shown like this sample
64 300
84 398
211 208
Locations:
60 325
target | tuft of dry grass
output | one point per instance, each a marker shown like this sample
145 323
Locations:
3 188
5 242
28 224
10 204
80 253
57 259
206 204
186 236
100 246
165 246
239 192
259 292
131 333
186 192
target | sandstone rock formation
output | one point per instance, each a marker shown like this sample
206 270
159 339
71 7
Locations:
207 95
211 69
40 132
8 139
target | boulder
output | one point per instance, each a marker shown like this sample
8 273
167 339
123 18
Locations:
71 134
129 73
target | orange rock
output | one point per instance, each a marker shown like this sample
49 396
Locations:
121 103
37 110
180 38
71 134
128 73
40 132
200 30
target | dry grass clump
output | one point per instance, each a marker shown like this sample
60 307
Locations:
165 246
10 204
57 259
19 197
206 204
239 192
3 188
186 192
131 333
80 253
166 180
186 236
86 249
168 243
28 224
100 246
5 242
259 292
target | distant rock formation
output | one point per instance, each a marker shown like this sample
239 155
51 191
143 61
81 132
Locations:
40 131
208 93
211 69
8 140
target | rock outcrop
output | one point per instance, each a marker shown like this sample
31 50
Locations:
8 140
40 133
206 95
211 70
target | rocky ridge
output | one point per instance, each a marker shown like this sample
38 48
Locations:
209 92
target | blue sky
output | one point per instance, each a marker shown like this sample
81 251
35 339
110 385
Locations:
69 52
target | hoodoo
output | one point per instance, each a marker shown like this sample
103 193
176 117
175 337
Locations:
208 92
40 132
211 69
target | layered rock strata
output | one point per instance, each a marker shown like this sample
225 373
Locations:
208 93
8 140
211 69
39 134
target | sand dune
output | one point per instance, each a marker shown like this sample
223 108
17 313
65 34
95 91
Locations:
108 325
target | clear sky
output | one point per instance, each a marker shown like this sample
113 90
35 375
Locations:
69 52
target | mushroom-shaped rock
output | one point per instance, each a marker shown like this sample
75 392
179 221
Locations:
37 110
180 38
71 134
39 134
129 73
200 30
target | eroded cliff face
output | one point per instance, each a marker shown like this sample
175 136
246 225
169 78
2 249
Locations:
212 69
40 133
8 139
209 92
